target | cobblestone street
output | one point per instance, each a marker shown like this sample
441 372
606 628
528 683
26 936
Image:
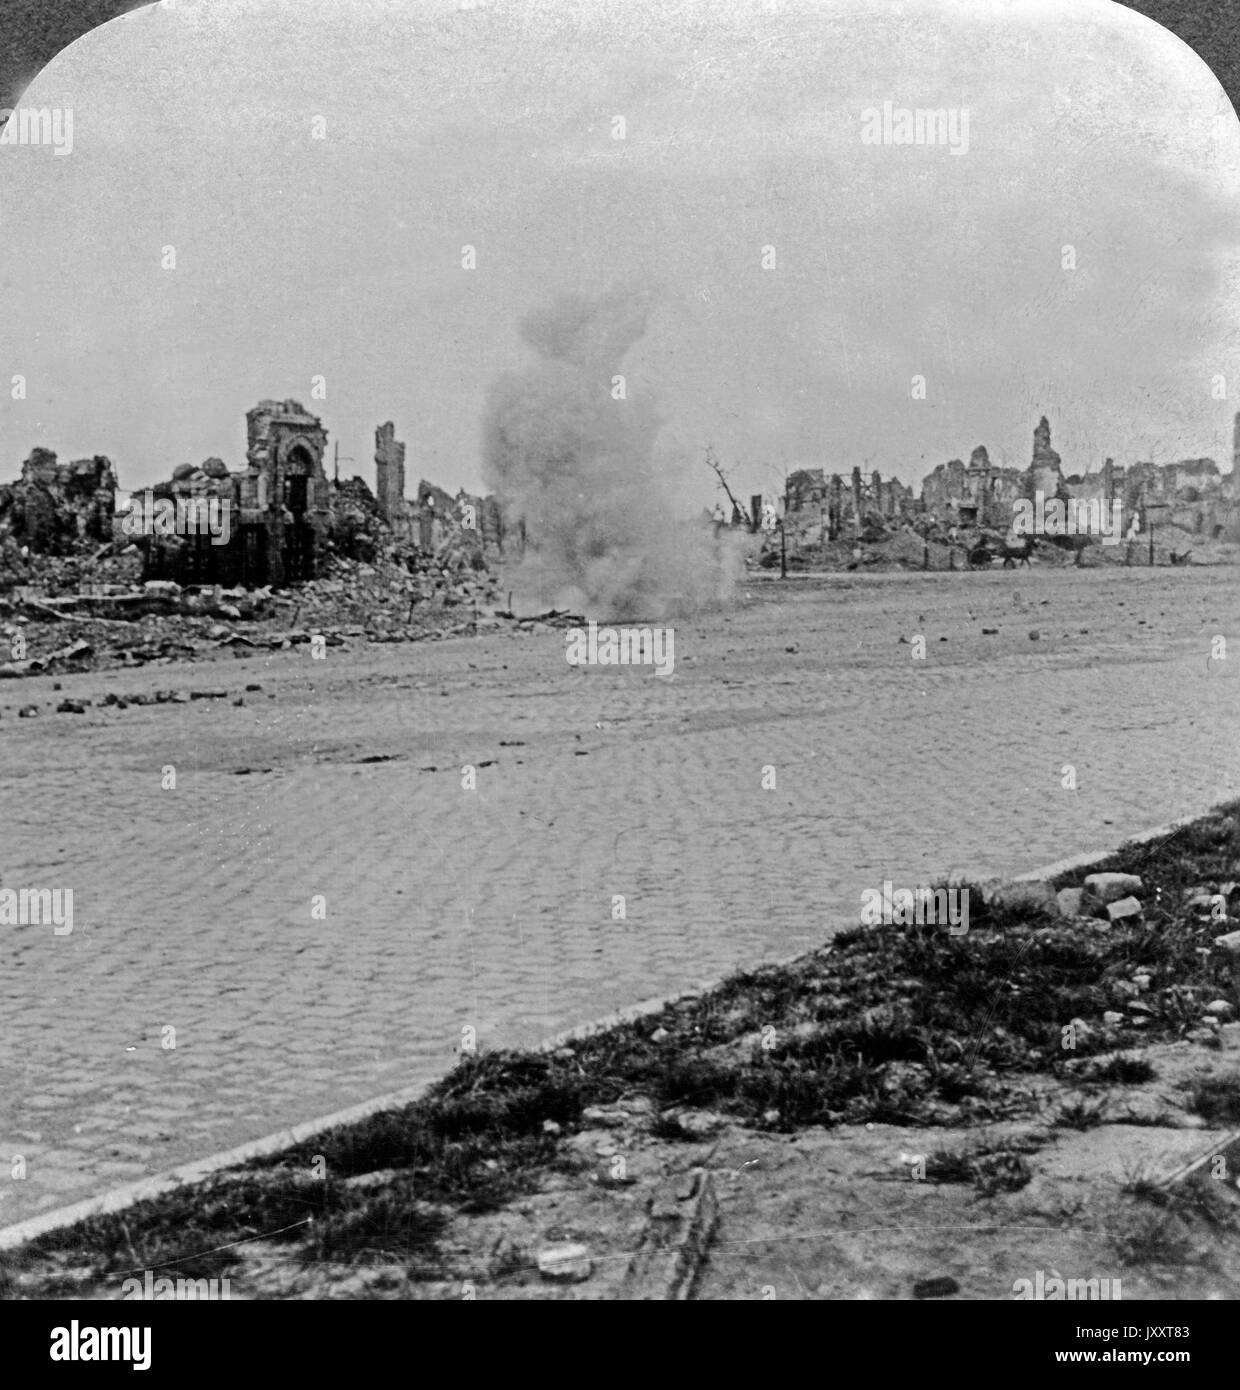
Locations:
492 909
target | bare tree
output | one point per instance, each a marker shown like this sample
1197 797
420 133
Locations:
713 464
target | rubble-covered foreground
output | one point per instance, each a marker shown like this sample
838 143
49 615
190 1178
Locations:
53 619
124 625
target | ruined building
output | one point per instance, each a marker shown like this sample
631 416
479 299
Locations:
806 489
55 506
390 481
284 494
359 530
275 522
1044 474
839 509
978 494
279 507
434 516
435 513
1190 494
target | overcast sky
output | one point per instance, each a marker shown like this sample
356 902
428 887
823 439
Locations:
491 125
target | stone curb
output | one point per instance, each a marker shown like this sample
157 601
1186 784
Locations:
126 1196
1085 861
131 1193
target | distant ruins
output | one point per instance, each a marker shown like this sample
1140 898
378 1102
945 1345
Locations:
841 506
1191 494
287 518
979 495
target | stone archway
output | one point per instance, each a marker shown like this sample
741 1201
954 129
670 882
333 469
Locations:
285 491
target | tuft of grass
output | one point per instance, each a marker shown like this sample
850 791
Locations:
1200 1197
1001 1172
1157 1119
1081 1114
1217 1100
1123 1070
1140 1183
184 1230
1203 1198
990 1171
949 1165
1151 1238
390 1227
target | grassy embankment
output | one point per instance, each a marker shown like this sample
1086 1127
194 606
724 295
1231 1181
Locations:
897 1024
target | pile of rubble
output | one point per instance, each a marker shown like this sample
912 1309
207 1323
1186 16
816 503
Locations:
75 594
48 627
358 531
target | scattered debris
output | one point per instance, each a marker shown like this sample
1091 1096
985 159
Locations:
1069 900
1107 888
1124 908
942 1286
565 1264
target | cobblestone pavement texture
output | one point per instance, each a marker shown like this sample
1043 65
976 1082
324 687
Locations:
492 908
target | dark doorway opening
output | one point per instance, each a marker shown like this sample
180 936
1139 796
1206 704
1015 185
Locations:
298 493
299 535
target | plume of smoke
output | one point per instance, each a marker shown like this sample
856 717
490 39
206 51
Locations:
577 466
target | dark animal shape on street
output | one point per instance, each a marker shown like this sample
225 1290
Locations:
1017 551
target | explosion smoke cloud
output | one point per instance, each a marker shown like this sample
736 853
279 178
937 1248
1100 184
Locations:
578 466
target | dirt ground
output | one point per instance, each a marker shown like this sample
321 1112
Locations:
492 908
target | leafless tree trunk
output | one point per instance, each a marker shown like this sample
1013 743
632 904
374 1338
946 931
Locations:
713 464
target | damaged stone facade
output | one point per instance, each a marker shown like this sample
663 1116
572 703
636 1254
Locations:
434 518
839 508
280 507
54 507
1190 494
289 517
976 494
1045 474
284 495
434 512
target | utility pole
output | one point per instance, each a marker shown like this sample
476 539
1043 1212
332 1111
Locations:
783 532
336 461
